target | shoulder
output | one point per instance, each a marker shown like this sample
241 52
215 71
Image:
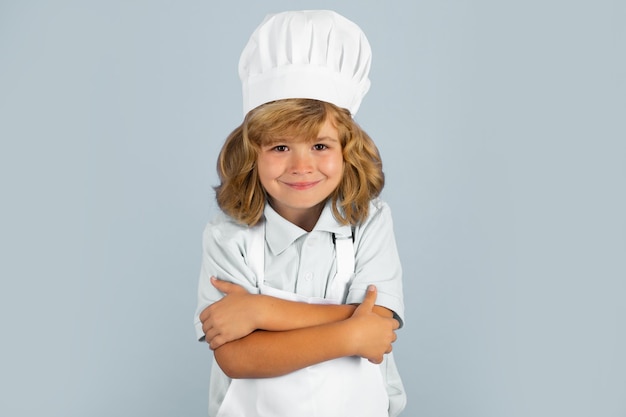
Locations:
225 231
377 227
379 211
378 205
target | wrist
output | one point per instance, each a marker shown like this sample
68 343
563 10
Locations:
351 332
259 311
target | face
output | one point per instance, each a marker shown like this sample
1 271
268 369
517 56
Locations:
299 176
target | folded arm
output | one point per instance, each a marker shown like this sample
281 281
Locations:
265 353
239 313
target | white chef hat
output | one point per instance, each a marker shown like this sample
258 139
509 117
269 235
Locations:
315 54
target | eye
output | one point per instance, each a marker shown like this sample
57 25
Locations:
280 148
319 147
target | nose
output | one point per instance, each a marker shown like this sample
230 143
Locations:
301 163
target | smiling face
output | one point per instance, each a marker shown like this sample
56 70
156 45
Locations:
300 175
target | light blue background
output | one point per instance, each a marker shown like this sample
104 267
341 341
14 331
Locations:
502 126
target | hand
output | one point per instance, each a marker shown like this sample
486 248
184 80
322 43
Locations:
373 334
230 318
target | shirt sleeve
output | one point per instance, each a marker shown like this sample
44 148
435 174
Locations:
377 261
224 248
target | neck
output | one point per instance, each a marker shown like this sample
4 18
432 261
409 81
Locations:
304 218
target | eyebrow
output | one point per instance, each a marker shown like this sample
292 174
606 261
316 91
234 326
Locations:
329 138
277 141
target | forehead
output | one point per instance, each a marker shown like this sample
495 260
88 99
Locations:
327 131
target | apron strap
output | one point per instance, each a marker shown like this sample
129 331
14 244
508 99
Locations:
344 249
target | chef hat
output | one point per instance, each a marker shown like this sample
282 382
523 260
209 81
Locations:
315 54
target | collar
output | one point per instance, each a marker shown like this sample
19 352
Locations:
280 233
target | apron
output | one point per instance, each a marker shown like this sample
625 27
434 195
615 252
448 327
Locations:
349 386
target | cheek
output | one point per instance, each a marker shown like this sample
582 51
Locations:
336 166
333 169
263 171
269 170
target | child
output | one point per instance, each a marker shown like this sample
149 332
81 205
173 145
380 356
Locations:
300 290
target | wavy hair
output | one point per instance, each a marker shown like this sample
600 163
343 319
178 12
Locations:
240 194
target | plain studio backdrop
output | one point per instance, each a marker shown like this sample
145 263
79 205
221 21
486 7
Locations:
502 127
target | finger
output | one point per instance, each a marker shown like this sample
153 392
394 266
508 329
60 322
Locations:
206 324
211 334
377 360
223 286
227 287
370 298
205 314
396 324
216 342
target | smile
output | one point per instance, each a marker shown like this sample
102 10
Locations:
301 185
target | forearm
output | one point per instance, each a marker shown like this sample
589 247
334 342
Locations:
240 313
367 333
265 354
278 315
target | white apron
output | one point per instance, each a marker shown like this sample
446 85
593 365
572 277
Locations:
350 386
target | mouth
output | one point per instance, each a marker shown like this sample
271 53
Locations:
301 185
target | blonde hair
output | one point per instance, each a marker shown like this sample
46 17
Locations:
240 194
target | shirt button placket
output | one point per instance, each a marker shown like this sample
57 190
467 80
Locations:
307 267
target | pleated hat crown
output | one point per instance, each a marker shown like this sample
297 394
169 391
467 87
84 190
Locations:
315 54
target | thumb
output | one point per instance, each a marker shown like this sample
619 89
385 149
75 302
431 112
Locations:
370 298
224 286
